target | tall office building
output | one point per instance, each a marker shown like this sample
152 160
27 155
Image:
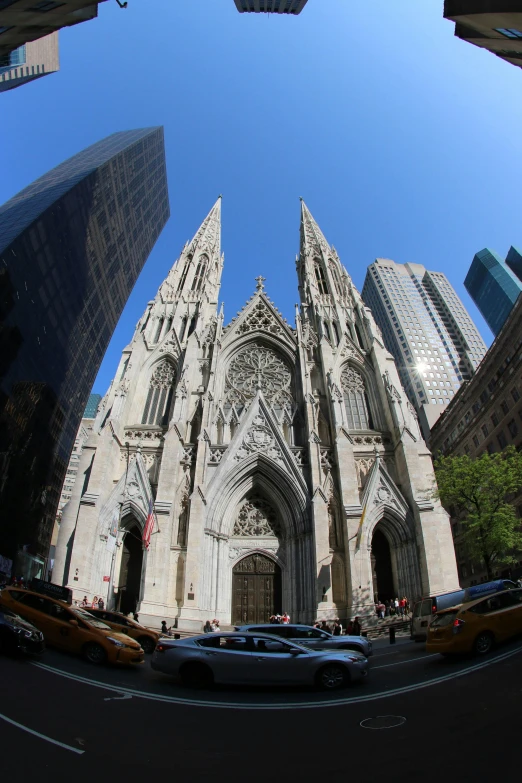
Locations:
22 21
29 62
427 329
495 25
72 245
270 6
495 285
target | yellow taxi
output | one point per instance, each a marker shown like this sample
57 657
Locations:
72 629
476 625
144 636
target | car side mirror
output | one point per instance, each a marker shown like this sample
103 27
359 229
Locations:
74 623
295 651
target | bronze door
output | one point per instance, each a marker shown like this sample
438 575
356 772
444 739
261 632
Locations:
256 590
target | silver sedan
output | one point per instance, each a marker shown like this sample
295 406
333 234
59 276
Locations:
255 659
315 638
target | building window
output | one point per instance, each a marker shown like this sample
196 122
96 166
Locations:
475 441
494 419
515 394
355 400
513 428
321 280
509 32
159 397
505 407
502 440
200 273
490 448
485 430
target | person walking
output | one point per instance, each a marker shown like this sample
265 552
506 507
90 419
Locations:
207 628
396 606
285 618
381 608
338 628
349 628
101 603
402 604
84 602
325 626
94 604
356 628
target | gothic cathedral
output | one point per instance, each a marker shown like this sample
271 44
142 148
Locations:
283 468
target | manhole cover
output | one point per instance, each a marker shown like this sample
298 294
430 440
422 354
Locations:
383 722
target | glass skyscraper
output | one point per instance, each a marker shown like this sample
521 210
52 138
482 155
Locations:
428 331
495 285
72 245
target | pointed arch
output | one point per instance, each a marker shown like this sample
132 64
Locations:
320 276
201 270
357 407
158 403
335 276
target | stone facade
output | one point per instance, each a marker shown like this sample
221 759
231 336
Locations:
486 415
265 450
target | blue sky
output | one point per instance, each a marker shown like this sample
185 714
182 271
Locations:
403 140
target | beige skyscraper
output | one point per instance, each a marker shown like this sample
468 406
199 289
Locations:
29 62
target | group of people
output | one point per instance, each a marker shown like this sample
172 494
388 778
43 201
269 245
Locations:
398 607
96 603
353 627
211 626
279 618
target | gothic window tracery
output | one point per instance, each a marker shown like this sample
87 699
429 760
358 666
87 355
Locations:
200 273
256 366
184 274
159 397
355 400
320 277
336 278
256 518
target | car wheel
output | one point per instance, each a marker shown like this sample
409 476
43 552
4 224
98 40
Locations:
94 653
332 677
483 643
196 675
148 645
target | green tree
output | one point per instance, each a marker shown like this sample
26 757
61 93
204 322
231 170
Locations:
481 491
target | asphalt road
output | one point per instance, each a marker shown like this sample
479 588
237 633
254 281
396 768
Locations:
455 720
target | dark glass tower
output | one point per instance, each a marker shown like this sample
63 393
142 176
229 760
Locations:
494 286
72 245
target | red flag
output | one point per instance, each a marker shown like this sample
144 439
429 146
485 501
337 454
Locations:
149 525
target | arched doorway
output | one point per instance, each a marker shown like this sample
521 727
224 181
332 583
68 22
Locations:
129 580
382 571
256 590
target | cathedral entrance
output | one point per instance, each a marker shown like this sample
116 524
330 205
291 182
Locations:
129 581
382 571
256 590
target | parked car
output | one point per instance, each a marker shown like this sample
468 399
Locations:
255 659
146 638
476 626
311 637
72 629
425 609
19 636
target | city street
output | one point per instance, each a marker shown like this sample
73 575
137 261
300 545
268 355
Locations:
456 718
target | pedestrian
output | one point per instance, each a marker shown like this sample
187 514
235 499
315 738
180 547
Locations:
317 624
94 604
325 626
338 628
101 603
402 604
396 606
207 628
386 608
381 609
84 602
285 618
164 628
349 627
272 619
278 618
135 617
356 628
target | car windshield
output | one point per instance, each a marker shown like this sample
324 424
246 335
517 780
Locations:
444 618
88 618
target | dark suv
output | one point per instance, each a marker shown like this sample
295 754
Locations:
17 635
312 637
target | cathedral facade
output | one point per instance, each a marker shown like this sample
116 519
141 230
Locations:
284 467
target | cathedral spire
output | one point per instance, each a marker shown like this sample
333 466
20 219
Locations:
208 237
313 242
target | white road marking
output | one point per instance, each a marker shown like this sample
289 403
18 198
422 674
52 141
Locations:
42 736
293 706
394 721
410 660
